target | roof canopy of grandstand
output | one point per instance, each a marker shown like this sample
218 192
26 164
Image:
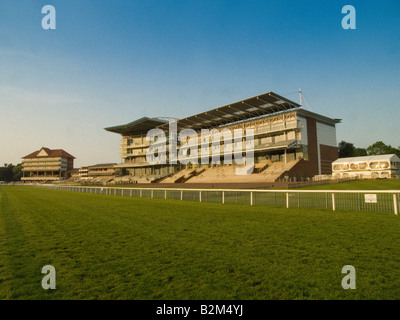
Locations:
264 104
141 125
382 157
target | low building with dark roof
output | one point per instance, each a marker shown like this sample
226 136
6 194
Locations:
102 170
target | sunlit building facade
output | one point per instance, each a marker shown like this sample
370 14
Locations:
47 165
289 141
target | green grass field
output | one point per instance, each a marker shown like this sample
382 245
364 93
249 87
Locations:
111 247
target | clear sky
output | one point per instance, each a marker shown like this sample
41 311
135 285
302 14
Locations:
111 62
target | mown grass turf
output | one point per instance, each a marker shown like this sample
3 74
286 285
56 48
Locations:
110 247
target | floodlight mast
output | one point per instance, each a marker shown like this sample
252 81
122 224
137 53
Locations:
301 97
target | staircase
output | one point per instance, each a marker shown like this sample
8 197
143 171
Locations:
260 167
190 175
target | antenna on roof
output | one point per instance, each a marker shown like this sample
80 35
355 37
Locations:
301 97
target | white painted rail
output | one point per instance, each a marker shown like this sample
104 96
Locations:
354 200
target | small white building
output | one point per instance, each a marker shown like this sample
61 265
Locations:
367 167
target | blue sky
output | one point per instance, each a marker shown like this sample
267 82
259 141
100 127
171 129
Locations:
111 62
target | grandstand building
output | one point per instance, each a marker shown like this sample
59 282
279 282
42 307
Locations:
46 165
103 172
289 143
83 172
367 167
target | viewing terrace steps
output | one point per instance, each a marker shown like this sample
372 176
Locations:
192 174
182 175
266 171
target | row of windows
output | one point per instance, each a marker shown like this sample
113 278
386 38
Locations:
374 165
375 175
257 142
291 135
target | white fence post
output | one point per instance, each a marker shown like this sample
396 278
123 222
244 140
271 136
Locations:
326 200
333 202
395 204
287 199
223 197
200 195
251 198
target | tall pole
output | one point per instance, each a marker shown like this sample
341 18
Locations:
301 97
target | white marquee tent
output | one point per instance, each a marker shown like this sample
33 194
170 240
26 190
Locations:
367 167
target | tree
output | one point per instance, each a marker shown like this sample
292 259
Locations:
381 148
346 149
360 152
6 173
17 172
10 172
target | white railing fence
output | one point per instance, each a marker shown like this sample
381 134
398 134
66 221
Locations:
356 200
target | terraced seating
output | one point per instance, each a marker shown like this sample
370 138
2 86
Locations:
262 172
177 175
225 174
261 166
